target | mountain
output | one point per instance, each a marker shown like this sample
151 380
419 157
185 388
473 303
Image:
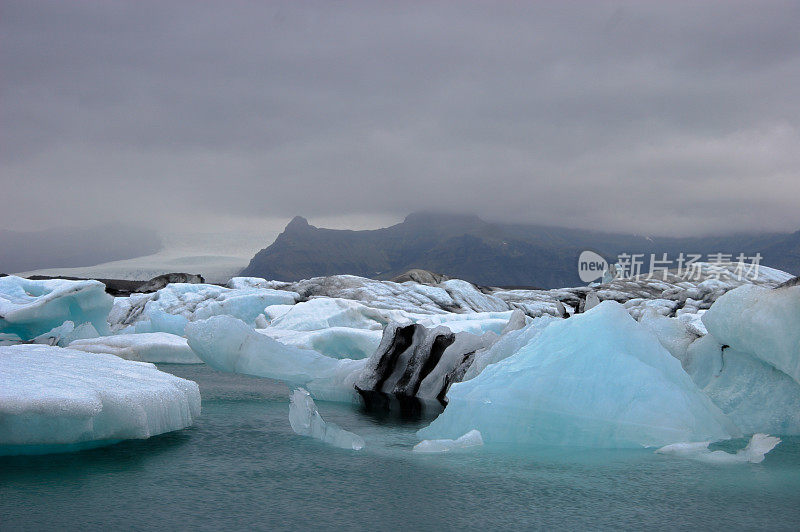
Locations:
467 247
71 247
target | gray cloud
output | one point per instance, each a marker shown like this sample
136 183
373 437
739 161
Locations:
665 118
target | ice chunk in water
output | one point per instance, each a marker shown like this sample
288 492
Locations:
32 308
754 453
306 421
228 344
470 439
54 399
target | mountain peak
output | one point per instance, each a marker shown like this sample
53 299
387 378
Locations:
298 223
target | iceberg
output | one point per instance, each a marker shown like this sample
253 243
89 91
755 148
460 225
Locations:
754 395
670 296
411 362
228 344
598 379
757 448
146 347
760 321
172 307
66 333
32 308
306 421
55 399
470 439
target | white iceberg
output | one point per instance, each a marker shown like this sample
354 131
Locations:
754 395
306 421
55 399
598 379
66 333
172 307
762 322
757 448
470 439
32 308
146 347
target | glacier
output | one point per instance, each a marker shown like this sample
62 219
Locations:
55 399
30 308
598 379
145 347
306 421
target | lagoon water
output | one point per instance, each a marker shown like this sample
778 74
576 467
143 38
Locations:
241 466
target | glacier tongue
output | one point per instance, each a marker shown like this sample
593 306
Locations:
598 379
306 421
54 399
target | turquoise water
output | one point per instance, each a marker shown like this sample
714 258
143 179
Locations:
241 466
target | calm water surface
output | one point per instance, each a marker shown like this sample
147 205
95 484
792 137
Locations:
241 466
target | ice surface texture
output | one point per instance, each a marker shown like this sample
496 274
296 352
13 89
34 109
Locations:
144 347
55 399
306 421
32 308
599 379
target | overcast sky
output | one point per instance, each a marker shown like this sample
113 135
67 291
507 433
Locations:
658 118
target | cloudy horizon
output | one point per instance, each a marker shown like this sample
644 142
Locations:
654 118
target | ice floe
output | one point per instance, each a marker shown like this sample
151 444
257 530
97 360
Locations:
470 439
54 399
757 448
144 347
306 421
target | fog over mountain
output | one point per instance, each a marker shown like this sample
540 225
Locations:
655 118
492 254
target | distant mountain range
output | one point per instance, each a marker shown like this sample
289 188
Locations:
66 247
484 253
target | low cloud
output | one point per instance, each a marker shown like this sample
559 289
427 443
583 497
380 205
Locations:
662 118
